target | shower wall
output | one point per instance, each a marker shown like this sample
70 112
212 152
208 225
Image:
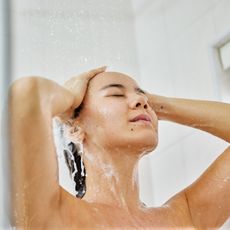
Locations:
59 39
174 42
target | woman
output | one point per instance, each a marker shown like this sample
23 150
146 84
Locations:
117 123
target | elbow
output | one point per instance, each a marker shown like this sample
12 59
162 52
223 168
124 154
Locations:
22 87
23 95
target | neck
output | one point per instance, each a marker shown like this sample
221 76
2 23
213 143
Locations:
112 177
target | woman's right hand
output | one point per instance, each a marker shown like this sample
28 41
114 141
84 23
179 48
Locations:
77 86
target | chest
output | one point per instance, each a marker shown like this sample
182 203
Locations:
81 215
102 219
110 218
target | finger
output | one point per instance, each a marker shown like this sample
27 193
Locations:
70 83
86 75
96 71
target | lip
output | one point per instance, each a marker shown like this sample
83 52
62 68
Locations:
141 117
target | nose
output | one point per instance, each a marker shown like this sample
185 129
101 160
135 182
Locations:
139 102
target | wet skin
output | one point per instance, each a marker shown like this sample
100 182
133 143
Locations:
113 144
113 141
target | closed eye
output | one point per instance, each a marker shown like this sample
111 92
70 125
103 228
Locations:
117 95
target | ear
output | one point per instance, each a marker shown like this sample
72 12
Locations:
76 133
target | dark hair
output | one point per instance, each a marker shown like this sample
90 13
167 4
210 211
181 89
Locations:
77 111
75 164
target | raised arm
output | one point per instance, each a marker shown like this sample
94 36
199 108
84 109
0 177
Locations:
209 116
208 198
33 102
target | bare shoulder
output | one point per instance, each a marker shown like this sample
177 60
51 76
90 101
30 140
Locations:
73 213
174 213
208 197
205 204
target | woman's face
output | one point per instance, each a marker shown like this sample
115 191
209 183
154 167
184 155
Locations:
116 114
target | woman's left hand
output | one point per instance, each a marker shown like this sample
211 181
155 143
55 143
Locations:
157 103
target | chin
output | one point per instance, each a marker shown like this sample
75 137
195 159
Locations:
147 147
144 143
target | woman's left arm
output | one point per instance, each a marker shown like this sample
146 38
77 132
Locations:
208 198
209 116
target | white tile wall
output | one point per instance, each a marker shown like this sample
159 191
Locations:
171 133
152 45
192 76
181 14
221 17
206 148
139 5
168 173
58 39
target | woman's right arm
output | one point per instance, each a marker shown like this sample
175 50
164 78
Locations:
33 101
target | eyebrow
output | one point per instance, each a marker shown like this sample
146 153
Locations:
120 86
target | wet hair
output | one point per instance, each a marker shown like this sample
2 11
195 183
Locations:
75 164
77 111
74 160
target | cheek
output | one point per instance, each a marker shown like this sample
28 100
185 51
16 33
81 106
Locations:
112 117
105 117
